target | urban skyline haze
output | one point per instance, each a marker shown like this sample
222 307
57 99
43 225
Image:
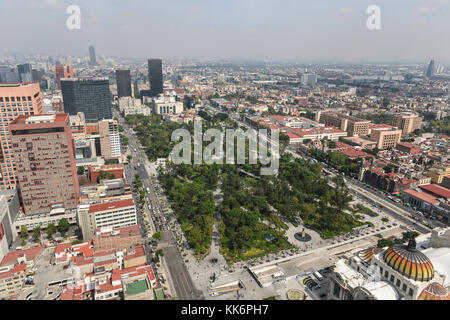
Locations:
325 31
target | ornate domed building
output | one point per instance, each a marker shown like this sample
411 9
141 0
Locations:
409 262
397 272
434 291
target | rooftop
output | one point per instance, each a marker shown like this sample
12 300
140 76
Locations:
136 287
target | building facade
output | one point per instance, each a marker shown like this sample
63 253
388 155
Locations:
15 100
109 138
386 137
63 72
155 77
408 122
113 214
90 95
123 79
43 149
25 72
354 126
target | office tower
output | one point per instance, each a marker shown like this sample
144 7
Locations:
308 79
88 95
408 122
92 60
123 79
3 71
25 72
36 75
109 138
43 149
63 72
15 99
155 77
431 69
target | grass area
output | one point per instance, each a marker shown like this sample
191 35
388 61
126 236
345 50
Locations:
364 210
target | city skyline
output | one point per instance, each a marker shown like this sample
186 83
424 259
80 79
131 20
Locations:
254 30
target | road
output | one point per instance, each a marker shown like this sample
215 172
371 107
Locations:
158 219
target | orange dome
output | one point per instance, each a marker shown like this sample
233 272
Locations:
367 255
434 291
409 261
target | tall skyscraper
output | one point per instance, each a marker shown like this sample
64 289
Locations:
36 75
92 60
155 77
123 79
63 72
8 75
25 72
18 99
43 149
88 95
431 69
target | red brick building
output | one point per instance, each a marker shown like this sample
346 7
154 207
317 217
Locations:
115 169
119 239
408 147
63 72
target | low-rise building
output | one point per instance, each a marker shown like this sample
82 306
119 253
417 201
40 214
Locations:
119 239
114 214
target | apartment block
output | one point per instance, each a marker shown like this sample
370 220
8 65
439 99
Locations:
385 136
354 126
408 122
109 138
43 149
113 214
15 100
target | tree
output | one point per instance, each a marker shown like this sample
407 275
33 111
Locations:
36 234
332 144
385 243
80 170
63 225
23 232
157 236
159 253
129 157
51 230
105 175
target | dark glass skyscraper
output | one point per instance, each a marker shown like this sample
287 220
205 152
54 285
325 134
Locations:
90 95
431 69
155 77
25 73
92 60
123 79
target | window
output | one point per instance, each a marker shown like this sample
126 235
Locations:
398 283
410 292
404 287
392 278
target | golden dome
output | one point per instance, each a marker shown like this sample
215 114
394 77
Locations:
409 261
434 291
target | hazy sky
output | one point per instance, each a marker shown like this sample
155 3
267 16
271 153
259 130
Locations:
314 30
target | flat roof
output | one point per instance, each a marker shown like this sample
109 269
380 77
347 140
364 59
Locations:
136 287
